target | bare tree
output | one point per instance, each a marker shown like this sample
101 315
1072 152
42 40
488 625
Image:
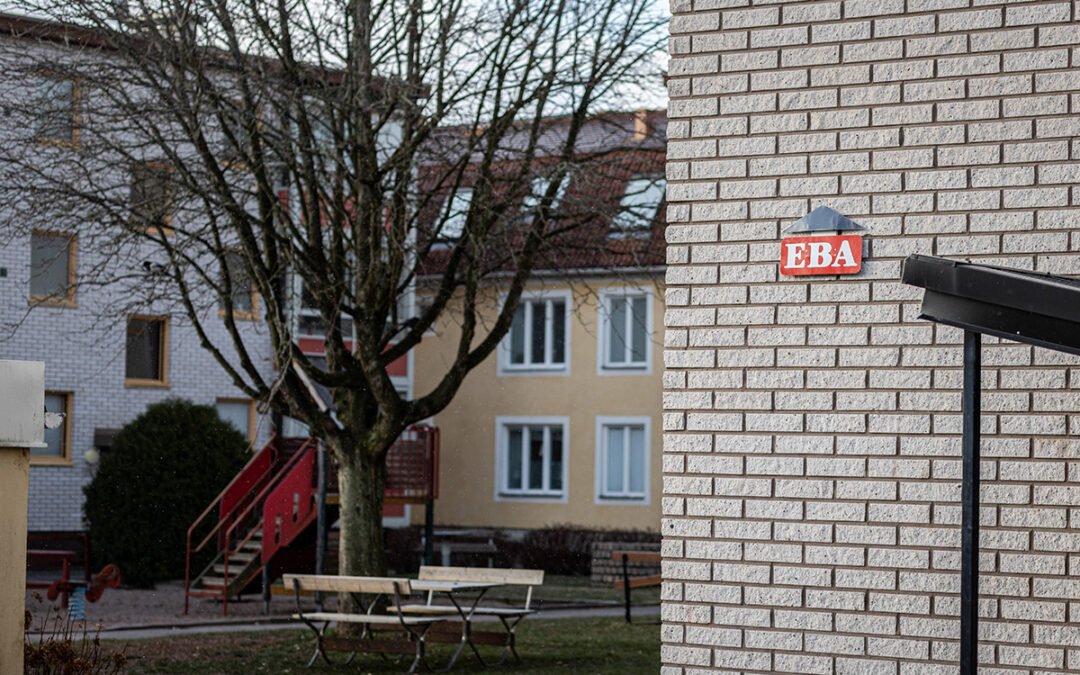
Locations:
220 149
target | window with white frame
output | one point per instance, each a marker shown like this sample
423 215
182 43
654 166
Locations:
622 461
532 457
457 210
538 335
638 206
625 335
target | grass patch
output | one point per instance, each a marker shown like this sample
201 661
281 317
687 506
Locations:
590 645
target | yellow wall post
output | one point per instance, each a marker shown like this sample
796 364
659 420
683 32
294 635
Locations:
22 426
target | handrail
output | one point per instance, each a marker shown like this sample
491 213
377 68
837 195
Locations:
268 449
307 447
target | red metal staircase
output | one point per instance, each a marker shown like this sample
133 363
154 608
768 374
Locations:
272 500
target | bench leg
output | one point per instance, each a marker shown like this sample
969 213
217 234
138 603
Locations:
319 650
511 640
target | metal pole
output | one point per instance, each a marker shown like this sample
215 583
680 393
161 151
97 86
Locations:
429 531
969 545
626 585
320 516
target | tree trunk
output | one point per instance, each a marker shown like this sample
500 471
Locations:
362 482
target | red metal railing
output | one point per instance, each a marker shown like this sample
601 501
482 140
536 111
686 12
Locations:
238 494
254 510
412 465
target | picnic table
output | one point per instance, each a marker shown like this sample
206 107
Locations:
464 589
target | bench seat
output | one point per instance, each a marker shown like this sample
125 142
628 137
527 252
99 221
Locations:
393 619
482 610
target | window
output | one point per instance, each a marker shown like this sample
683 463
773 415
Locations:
309 319
638 206
457 210
57 103
244 300
538 338
622 461
52 268
239 412
625 331
58 440
147 353
539 188
531 457
151 196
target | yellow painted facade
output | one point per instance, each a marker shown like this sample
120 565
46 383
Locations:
470 483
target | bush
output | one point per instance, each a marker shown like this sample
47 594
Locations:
163 469
566 549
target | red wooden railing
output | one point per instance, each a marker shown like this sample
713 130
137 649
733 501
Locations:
237 494
412 465
283 501
243 521
290 506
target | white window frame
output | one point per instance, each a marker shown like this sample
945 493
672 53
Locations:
502 448
603 365
546 368
602 423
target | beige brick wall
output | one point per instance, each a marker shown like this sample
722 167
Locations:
812 425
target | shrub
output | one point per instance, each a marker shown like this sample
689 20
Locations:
163 469
64 646
566 549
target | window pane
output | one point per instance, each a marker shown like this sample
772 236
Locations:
638 330
241 283
558 330
149 194
236 413
56 99
49 259
538 331
143 350
637 460
457 210
616 331
514 465
517 336
638 206
614 474
54 438
294 428
556 458
536 458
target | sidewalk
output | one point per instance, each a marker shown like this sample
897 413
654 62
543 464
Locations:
138 614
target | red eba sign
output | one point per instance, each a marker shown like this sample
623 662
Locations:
833 254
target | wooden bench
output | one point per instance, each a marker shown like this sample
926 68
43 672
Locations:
508 616
628 582
416 627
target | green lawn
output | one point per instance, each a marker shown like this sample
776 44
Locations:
587 646
558 589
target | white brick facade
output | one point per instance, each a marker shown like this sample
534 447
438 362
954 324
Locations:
812 425
84 355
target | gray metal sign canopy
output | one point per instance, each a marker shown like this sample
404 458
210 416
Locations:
1037 309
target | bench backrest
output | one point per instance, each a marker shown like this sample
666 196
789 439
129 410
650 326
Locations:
483 574
333 583
498 575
